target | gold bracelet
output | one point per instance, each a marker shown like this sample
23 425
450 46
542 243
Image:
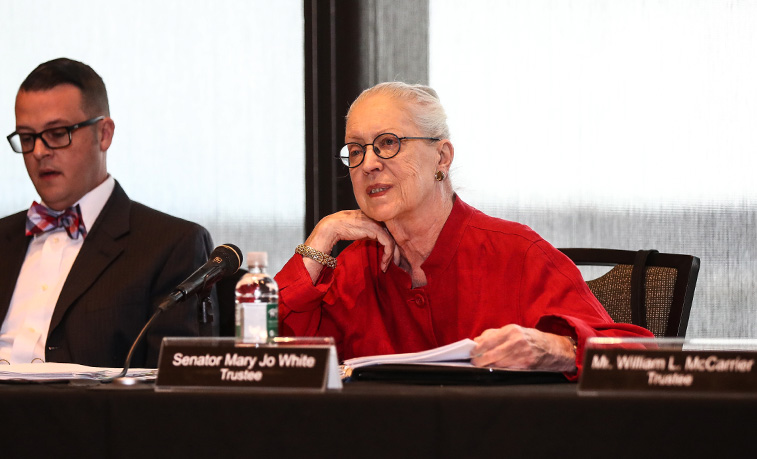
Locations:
575 345
317 255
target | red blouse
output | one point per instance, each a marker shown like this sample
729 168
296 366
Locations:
483 273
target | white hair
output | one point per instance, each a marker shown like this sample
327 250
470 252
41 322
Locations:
424 104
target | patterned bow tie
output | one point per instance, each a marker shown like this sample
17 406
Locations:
40 219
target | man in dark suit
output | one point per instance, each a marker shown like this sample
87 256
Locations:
83 271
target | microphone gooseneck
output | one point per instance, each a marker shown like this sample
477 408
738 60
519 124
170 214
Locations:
224 261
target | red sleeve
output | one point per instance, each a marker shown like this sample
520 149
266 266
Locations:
555 298
299 300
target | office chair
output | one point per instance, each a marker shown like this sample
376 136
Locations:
646 288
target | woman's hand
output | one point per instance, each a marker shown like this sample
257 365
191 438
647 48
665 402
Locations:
517 347
348 225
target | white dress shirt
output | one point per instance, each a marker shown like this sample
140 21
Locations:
48 261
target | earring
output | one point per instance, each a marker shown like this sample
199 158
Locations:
439 176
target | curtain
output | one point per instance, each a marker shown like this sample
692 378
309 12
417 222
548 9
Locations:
207 97
627 125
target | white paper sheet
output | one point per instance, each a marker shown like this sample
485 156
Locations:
457 351
62 371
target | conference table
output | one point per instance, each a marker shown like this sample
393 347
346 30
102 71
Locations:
371 419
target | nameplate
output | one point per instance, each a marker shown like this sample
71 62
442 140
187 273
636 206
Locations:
651 370
225 363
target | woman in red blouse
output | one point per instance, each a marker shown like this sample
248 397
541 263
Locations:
426 269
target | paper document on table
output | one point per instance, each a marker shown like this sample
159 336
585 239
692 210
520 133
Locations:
54 371
455 352
450 364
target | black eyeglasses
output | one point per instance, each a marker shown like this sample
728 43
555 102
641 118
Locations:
53 138
385 145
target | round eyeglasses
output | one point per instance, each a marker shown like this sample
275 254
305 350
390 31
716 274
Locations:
385 145
53 138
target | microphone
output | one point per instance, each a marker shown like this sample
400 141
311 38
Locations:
224 261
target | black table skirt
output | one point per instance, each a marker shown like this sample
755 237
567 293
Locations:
367 420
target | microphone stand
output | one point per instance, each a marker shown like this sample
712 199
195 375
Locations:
205 315
205 309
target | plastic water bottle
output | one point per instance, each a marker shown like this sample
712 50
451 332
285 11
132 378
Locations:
257 302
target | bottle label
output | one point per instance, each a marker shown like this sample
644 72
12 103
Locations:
272 316
257 322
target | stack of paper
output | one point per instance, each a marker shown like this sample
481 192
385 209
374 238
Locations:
450 364
455 353
66 371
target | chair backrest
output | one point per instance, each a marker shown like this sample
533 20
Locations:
646 288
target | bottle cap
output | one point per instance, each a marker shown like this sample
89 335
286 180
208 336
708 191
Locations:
259 259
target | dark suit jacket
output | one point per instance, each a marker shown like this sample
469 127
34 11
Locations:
132 257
